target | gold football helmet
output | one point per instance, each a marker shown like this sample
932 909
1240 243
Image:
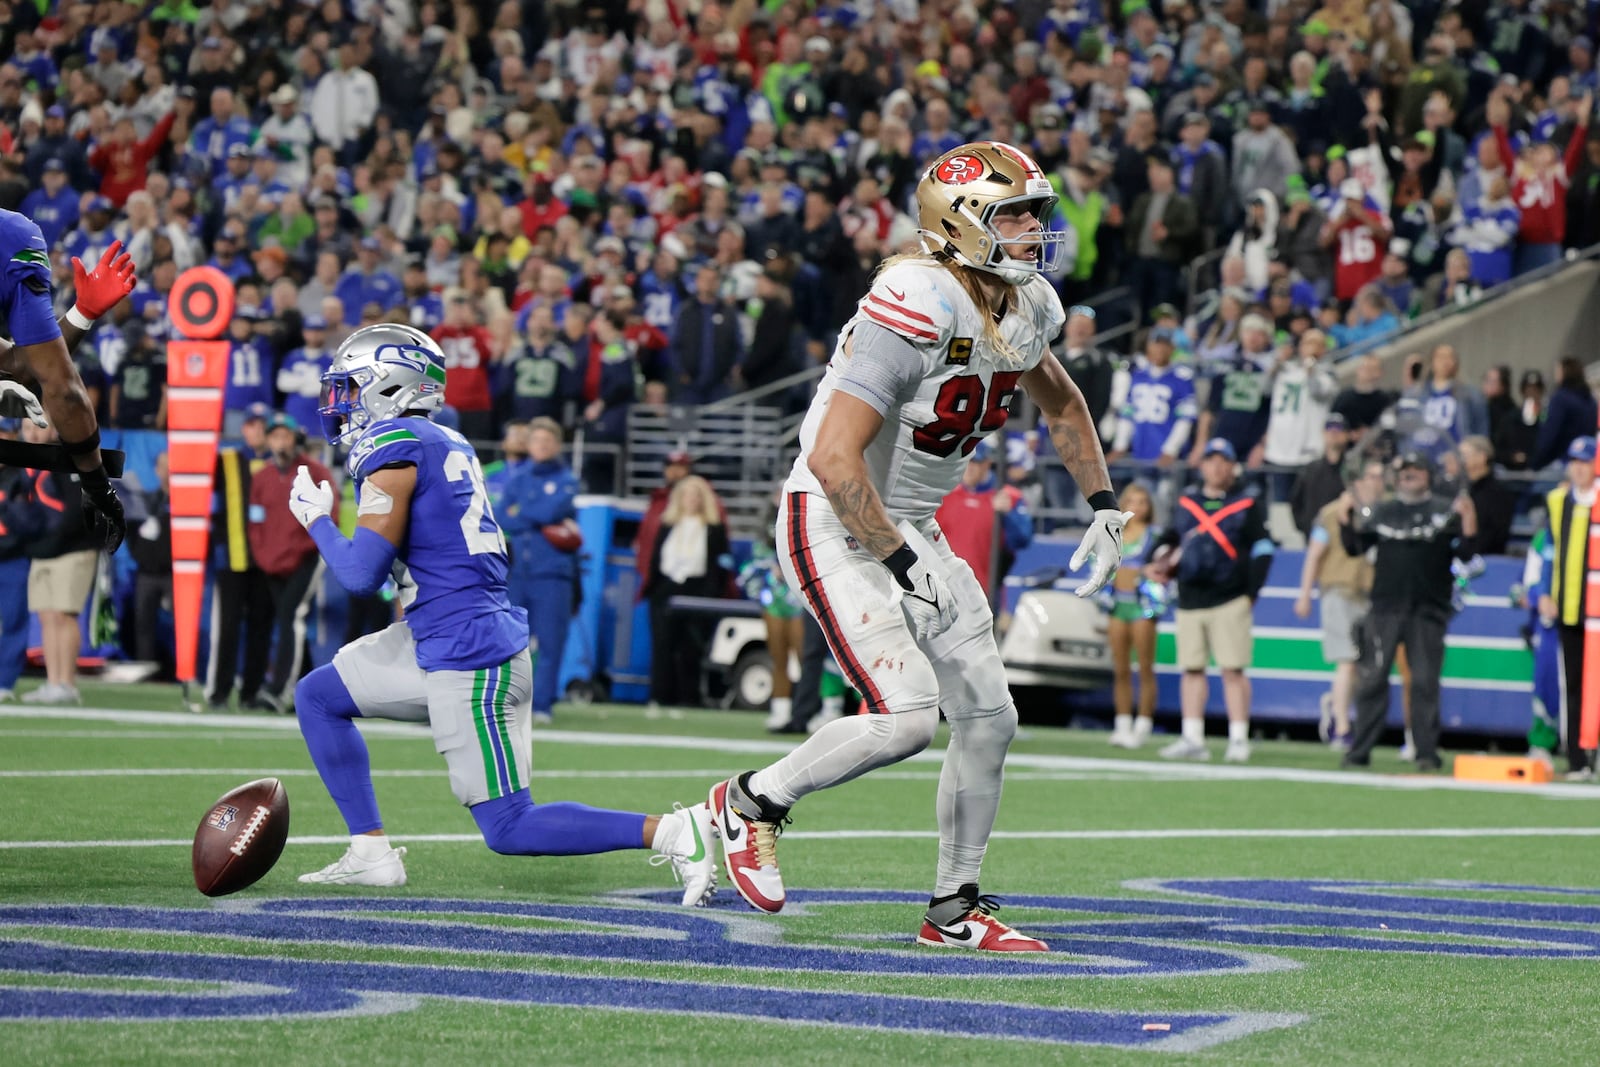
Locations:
963 190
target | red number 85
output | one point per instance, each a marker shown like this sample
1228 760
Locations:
958 409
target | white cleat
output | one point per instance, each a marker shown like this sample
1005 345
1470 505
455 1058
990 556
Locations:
1185 749
693 855
386 871
51 693
1237 752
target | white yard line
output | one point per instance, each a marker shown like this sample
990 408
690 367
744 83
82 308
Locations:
577 775
1152 770
1202 833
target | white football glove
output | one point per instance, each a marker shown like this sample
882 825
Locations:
927 601
1102 542
16 402
308 500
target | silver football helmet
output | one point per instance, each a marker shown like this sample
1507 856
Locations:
380 372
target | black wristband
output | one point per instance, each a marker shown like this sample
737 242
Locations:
95 480
900 562
81 448
1104 500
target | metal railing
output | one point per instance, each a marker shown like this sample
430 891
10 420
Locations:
737 448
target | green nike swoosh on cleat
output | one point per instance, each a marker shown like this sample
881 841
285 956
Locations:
699 845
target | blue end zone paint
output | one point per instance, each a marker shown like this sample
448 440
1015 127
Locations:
306 987
1192 927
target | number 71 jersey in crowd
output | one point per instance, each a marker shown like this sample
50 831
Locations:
965 390
452 565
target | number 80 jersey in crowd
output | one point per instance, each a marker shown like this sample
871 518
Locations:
452 565
966 388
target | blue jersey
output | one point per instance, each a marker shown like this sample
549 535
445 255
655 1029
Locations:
356 290
25 281
454 555
1160 406
54 215
88 245
250 377
659 299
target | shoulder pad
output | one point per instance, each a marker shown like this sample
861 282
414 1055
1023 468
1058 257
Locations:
1050 314
907 299
389 441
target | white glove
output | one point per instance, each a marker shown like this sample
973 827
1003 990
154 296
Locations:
308 500
17 402
927 601
1102 543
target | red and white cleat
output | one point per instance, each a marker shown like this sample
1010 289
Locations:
749 843
979 931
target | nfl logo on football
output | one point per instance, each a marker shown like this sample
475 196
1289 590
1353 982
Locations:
222 816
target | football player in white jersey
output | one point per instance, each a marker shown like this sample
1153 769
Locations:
926 368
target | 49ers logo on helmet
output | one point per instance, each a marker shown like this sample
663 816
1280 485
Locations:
959 170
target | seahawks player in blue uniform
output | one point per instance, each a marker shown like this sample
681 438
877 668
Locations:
41 349
459 659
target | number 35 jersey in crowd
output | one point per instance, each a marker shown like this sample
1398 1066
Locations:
452 565
965 390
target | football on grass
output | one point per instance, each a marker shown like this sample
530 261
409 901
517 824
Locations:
241 837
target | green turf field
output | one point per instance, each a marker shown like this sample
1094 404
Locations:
1197 912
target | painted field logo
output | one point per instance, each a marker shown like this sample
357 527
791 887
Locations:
1179 928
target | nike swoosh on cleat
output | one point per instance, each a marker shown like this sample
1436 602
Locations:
699 845
964 935
729 831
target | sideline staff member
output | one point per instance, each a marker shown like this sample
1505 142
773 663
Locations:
1570 508
1418 534
1221 533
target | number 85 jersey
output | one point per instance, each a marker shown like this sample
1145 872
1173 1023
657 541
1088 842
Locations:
452 565
964 391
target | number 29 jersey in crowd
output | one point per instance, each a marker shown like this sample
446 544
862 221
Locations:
452 566
965 390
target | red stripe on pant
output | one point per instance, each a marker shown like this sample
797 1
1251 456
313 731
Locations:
811 586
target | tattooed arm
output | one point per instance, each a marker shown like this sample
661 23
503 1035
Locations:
839 462
1071 429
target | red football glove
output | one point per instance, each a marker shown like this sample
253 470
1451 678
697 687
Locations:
101 289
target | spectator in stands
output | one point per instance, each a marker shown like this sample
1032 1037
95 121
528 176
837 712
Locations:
1449 404
1456 286
62 573
1257 240
1358 232
1363 402
706 345
366 282
1154 424
611 384
1299 238
1517 437
1084 208
52 203
1135 605
1369 321
1498 402
468 360
1162 227
250 371
774 340
1302 388
686 561
1495 503
1320 482
1202 175
1236 408
1263 157
1570 414
285 553
1488 231
1220 342
541 373
1539 183
138 399
1394 280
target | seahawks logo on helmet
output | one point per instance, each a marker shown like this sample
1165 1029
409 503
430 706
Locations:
381 372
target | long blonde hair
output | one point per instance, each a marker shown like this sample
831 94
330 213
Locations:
678 507
972 285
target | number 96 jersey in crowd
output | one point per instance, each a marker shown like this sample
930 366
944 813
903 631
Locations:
966 386
452 565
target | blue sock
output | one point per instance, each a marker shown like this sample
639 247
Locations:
327 712
515 826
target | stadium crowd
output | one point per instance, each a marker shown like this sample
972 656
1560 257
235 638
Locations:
596 205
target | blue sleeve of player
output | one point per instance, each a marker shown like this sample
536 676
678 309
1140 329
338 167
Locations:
384 444
25 288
